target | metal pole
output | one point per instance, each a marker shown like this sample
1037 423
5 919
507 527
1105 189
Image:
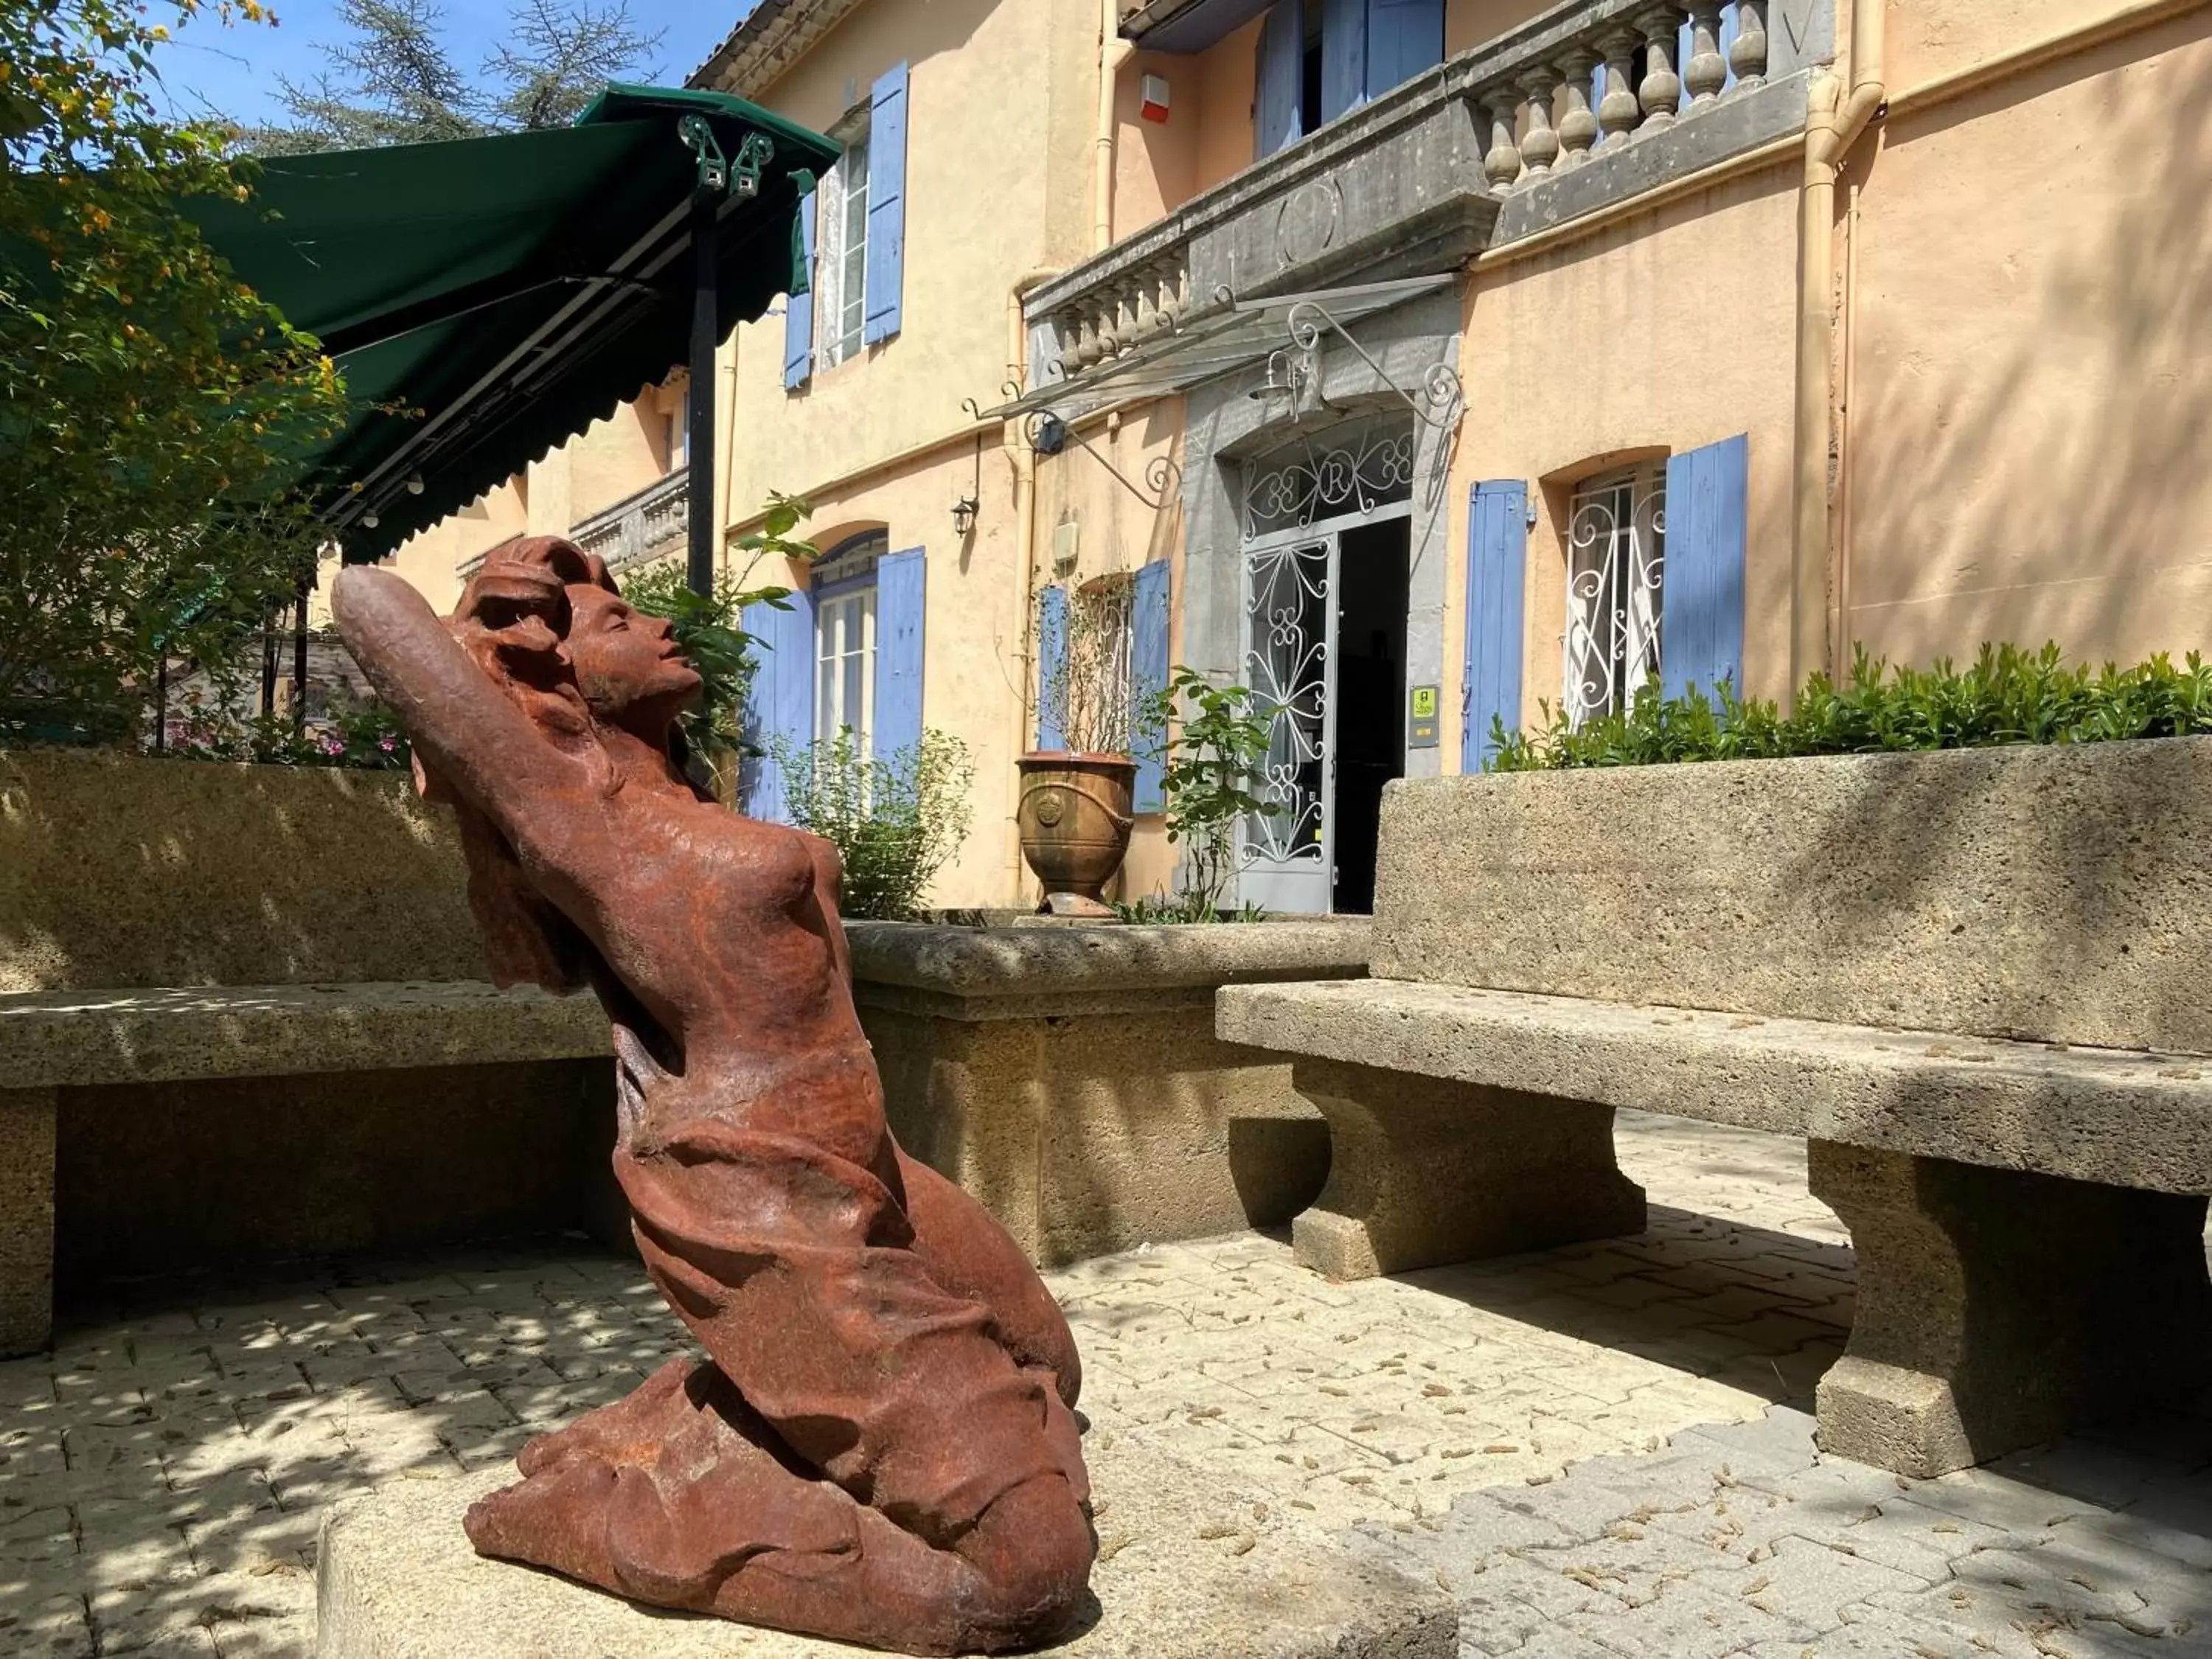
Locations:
268 663
299 662
698 415
162 703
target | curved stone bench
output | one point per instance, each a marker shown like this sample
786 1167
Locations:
1978 983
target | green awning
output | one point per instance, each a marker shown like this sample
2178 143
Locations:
488 297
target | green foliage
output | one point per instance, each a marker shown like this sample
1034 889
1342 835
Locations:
1215 740
364 735
896 822
2007 696
154 411
1159 910
709 628
395 82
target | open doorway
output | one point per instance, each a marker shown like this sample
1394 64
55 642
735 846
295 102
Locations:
1374 577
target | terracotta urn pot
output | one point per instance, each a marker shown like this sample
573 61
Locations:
1075 818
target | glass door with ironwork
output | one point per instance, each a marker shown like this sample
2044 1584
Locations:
1290 618
1298 500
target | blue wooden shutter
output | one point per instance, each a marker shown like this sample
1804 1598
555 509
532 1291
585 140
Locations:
1404 36
798 308
1343 56
1148 675
1280 74
886 205
1052 660
1701 598
780 702
899 605
1497 552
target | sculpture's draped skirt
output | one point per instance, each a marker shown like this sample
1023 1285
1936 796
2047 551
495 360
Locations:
866 1457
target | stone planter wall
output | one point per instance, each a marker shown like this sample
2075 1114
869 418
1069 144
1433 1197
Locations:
121 871
2060 893
1070 1078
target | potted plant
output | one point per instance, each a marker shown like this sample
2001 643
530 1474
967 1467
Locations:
1076 811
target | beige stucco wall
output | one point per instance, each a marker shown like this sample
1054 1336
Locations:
994 135
1670 329
2028 397
1471 22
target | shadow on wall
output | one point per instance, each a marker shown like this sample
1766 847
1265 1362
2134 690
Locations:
2029 449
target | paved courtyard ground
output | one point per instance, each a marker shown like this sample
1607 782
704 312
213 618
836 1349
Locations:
1589 1447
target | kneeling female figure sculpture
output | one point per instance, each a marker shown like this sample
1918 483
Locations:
880 1445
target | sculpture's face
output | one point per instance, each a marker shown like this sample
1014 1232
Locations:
626 662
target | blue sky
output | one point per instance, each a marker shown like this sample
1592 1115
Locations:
233 71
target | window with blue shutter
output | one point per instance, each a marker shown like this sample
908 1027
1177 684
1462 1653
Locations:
1404 36
887 257
1701 615
1148 677
1343 56
1497 555
1052 661
900 596
780 703
798 308
1280 78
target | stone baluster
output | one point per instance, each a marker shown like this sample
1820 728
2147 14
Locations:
1661 90
1501 162
1129 315
1705 72
1179 287
1086 341
1617 112
1578 124
1539 144
1747 57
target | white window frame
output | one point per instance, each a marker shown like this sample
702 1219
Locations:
1616 555
845 663
841 262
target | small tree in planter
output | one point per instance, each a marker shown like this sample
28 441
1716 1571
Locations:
1077 799
1218 741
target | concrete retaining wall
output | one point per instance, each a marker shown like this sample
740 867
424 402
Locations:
2061 894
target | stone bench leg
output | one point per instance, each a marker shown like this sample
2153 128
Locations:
1997 1309
1424 1171
26 1219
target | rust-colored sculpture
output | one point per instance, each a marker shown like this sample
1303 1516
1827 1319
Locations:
883 1448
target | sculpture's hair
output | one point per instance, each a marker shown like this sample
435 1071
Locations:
512 620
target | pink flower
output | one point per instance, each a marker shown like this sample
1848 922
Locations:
386 745
334 745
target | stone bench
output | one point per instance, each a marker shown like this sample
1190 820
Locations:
194 1127
1976 983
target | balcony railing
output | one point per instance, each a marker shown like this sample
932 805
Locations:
1590 102
649 525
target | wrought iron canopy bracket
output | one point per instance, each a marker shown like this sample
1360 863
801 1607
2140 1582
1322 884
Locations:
1439 402
1047 434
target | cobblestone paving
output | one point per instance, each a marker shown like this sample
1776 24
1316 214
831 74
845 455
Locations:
162 1473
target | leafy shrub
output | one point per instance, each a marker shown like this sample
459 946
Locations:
2007 696
364 735
895 821
1218 741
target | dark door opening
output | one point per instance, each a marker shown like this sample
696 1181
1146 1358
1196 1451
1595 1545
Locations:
1374 585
